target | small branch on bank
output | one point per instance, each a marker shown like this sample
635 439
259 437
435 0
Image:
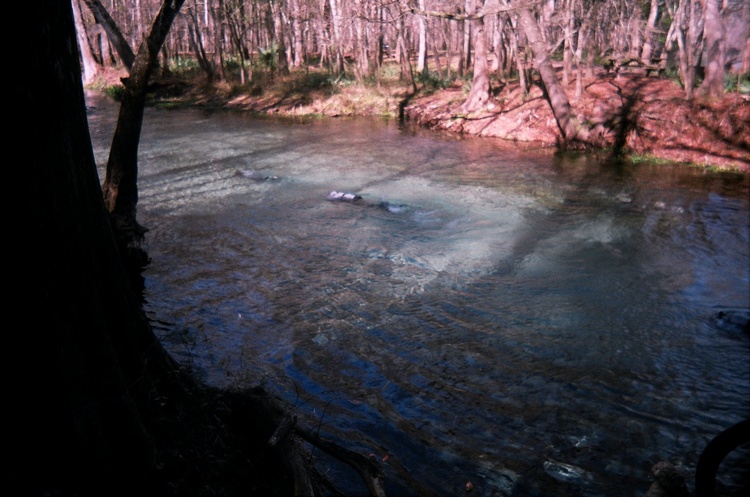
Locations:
370 471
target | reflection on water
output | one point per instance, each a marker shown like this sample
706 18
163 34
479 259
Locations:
532 323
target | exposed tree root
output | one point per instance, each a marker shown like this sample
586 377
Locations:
286 436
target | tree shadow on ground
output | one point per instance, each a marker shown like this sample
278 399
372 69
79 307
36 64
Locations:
625 120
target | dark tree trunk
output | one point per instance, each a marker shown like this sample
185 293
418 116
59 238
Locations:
121 181
81 413
95 405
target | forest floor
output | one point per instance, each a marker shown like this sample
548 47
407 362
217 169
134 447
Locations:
638 117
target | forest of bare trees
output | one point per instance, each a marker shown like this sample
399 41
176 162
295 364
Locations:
698 41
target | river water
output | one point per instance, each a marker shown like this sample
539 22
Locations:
534 323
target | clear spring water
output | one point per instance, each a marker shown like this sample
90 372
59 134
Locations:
533 323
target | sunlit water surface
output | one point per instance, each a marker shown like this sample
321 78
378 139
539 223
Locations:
534 324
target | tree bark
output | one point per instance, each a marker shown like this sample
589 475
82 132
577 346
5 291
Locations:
518 56
80 421
336 33
299 48
422 52
121 182
688 33
406 69
90 65
648 39
279 36
583 32
105 405
571 129
635 35
713 82
498 49
323 35
438 62
568 30
360 29
480 86
217 19
466 55
236 22
195 41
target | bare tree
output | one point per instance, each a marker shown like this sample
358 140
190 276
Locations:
217 21
83 421
121 181
582 42
235 14
196 43
518 54
422 53
686 31
279 36
713 34
114 34
649 35
360 40
572 130
91 67
499 51
480 86
298 47
443 72
465 60
336 20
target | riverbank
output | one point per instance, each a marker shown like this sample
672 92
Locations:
640 117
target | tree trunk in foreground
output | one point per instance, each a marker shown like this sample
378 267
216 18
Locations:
95 405
571 129
85 364
121 181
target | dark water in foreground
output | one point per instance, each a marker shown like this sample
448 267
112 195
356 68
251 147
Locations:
535 324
